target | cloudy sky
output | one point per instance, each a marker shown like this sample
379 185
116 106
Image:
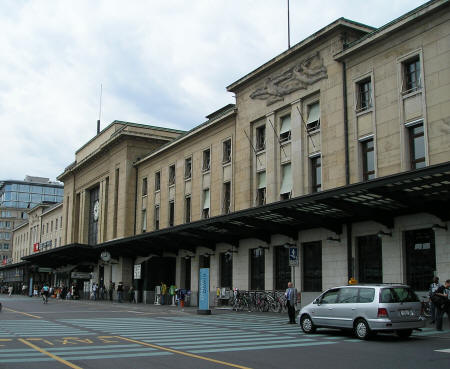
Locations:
163 63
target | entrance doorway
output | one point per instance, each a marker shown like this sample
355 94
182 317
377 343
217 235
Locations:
160 269
420 258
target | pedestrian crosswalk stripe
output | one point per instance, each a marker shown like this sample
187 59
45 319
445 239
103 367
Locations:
39 328
444 350
117 356
234 337
105 350
239 344
35 353
92 347
263 347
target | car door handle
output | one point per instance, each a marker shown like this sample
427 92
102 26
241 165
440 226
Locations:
353 308
330 308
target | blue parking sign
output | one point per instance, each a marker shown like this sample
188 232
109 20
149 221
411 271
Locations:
293 256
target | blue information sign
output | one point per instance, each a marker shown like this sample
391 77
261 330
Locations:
203 293
293 256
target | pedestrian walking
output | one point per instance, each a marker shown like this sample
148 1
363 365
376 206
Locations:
10 291
120 292
132 297
433 288
291 299
442 303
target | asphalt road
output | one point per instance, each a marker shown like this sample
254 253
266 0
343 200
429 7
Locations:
85 334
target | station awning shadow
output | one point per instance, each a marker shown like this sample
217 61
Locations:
381 200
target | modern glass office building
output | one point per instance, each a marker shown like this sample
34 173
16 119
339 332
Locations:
16 198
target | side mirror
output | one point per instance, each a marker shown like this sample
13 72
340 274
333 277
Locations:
316 301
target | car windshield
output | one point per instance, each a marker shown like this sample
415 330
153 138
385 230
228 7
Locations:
398 294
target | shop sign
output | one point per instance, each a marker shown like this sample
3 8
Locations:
80 275
45 270
36 247
137 271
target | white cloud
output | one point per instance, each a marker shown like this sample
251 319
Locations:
160 62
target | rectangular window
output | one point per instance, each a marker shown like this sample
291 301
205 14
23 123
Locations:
56 223
144 187
364 95
312 266
411 75
417 146
156 218
260 138
226 269
286 182
313 122
285 128
172 175
206 160
226 151
257 269
282 268
370 266
157 181
51 226
316 174
187 209
261 193
206 204
420 258
368 159
226 197
171 213
187 168
144 220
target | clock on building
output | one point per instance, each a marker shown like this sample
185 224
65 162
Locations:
105 256
96 210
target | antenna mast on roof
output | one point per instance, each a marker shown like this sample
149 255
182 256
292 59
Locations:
289 28
100 109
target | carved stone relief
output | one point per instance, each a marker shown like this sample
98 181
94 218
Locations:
298 77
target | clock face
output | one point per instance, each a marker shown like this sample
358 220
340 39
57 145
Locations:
105 256
96 210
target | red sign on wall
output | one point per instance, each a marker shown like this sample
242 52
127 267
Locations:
36 247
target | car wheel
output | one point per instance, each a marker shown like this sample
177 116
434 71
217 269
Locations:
307 324
362 330
404 333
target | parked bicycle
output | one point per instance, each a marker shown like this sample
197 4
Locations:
426 307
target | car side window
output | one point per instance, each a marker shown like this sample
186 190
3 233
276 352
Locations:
387 295
348 295
366 295
330 297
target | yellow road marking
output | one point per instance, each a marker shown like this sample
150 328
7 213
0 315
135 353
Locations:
184 353
57 358
20 312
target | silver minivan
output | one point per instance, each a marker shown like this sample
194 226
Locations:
365 309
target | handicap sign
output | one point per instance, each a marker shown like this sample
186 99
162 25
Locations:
293 256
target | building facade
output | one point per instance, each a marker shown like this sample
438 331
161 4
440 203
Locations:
339 147
16 199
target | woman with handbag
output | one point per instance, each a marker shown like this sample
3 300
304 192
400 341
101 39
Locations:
442 304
